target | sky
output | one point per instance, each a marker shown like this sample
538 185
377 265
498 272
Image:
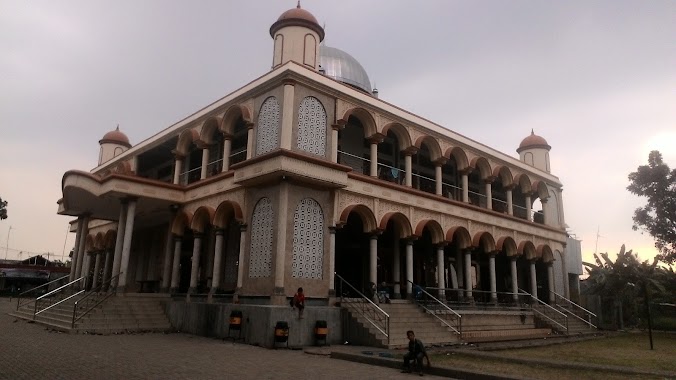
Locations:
596 79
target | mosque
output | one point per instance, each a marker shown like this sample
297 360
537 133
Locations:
305 178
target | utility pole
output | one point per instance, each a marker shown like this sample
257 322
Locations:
7 243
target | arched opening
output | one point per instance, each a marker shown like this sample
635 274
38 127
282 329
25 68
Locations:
240 140
451 187
519 194
423 175
390 160
353 148
352 255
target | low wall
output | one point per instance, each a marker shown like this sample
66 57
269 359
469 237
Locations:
258 322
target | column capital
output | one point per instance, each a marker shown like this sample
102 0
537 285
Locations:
410 239
179 156
219 231
242 227
198 235
227 136
249 125
201 144
177 238
332 229
440 161
376 138
337 126
289 82
490 179
411 150
466 171
442 244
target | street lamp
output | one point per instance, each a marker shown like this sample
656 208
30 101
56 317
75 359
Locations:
7 243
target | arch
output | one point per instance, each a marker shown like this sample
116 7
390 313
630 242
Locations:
364 117
365 213
232 115
399 219
434 227
507 245
540 189
109 239
523 183
226 211
544 252
483 239
527 249
459 155
481 164
503 173
209 127
123 167
203 217
186 138
401 132
181 221
459 235
432 145
98 241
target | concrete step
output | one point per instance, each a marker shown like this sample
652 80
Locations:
501 335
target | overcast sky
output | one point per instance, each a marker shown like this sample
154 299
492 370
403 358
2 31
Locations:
597 79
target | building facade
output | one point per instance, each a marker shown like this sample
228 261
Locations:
304 174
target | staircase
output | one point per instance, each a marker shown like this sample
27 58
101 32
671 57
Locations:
500 325
117 314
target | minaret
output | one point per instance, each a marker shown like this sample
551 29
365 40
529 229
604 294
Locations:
112 144
297 35
534 151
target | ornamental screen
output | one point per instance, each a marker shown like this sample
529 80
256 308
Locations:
262 225
267 138
312 126
308 240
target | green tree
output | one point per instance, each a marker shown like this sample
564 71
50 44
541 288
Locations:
3 209
657 183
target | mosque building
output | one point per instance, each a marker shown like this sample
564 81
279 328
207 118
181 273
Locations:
305 178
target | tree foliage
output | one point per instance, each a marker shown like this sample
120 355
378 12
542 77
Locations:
657 183
3 209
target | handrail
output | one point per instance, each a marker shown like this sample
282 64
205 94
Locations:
97 302
589 313
55 291
55 304
459 329
565 317
386 330
59 288
18 298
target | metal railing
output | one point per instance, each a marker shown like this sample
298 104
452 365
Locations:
35 291
93 298
436 308
358 164
559 298
364 306
484 298
391 174
54 297
549 313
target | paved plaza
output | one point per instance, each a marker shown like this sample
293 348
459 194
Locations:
29 351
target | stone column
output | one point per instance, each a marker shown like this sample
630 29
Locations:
489 194
373 259
510 205
545 214
286 132
76 248
409 169
85 270
178 241
529 215
515 282
81 250
97 268
491 268
441 282
533 280
438 178
550 282
194 269
242 248
126 248
409 267
177 169
119 241
460 271
332 261
465 186
218 259
249 140
227 149
107 268
205 162
396 268
374 157
168 250
280 256
335 128
468 274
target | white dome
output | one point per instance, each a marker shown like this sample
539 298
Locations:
342 67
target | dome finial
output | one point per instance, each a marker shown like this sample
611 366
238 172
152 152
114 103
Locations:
532 132
298 5
118 127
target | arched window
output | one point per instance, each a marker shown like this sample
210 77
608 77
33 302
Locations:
267 139
312 126
262 226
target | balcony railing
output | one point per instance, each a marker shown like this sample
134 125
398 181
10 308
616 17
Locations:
358 164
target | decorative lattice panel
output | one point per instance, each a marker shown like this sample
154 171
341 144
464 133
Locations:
269 118
262 226
308 240
312 126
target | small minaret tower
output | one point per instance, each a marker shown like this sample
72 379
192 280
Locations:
113 144
534 151
297 35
